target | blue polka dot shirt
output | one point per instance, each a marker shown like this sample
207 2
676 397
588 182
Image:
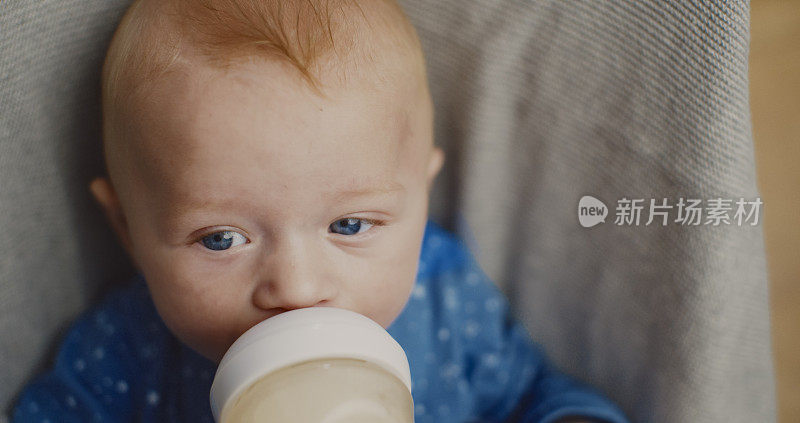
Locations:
470 361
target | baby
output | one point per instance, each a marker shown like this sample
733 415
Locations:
268 155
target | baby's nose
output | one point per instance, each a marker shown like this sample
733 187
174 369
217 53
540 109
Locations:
292 279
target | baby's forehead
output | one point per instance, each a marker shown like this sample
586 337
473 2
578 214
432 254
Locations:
205 111
242 131
266 91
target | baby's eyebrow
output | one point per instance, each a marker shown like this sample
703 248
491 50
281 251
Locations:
356 191
332 197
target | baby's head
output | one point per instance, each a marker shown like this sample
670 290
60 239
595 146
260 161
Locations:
267 155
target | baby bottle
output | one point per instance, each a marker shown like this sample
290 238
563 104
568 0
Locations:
314 365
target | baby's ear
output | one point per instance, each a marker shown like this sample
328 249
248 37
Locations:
104 193
435 164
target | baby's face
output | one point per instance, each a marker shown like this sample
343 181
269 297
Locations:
250 196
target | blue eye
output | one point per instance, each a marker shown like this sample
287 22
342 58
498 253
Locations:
350 226
223 240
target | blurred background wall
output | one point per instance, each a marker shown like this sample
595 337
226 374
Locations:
775 105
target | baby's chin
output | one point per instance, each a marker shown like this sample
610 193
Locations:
210 346
212 353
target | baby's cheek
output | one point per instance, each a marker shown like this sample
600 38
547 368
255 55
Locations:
207 322
389 298
209 334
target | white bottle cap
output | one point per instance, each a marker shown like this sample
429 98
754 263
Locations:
302 335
